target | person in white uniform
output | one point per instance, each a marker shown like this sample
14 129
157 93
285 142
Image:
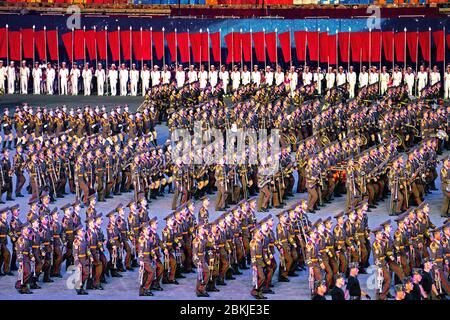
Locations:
307 77
330 78
113 75
74 75
145 78
318 78
3 77
422 79
203 77
213 77
235 78
256 76
396 77
373 76
351 79
166 75
156 76
269 76
435 76
50 76
123 80
447 83
134 80
409 80
384 80
63 79
11 74
341 77
245 76
101 79
279 76
363 78
87 79
192 74
180 76
24 77
37 77
224 76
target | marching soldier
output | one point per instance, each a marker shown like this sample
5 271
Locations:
259 262
171 245
147 259
82 258
113 245
379 257
93 243
15 226
5 231
203 214
58 244
26 261
445 187
200 258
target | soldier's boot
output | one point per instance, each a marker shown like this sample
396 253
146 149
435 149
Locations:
9 196
90 283
134 263
3 145
229 274
34 284
243 265
221 282
236 270
141 291
47 278
9 145
25 290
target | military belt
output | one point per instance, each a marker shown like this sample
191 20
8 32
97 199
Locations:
93 247
438 260
25 253
69 231
258 256
2 235
147 253
46 243
35 247
81 255
55 236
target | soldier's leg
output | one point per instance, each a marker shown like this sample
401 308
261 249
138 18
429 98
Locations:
219 199
445 205
159 273
284 269
328 275
386 283
5 255
188 257
13 265
128 255
312 198
173 267
57 260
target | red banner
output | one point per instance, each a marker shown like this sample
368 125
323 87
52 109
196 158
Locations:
183 46
424 41
438 37
312 39
300 45
199 45
344 47
3 45
447 40
89 38
137 44
233 42
388 43
204 42
39 40
215 44
247 46
375 46
332 49
158 42
260 48
113 43
285 44
360 46
147 45
27 43
79 45
271 45
323 46
172 45
399 46
126 44
411 41
102 50
14 45
52 44
67 41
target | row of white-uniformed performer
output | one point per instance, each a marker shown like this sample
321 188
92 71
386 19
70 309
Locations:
49 79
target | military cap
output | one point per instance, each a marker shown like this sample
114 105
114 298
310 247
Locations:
153 220
66 206
89 219
339 215
426 259
132 202
111 213
14 207
354 265
119 206
34 218
317 284
43 195
92 197
170 215
76 203
406 280
99 215
25 226
399 288
281 213
204 197
3 210
385 223
401 217
265 219
201 225
417 271
256 229
145 225
436 230
327 219
141 197
80 227
220 218
377 230
252 199
339 275
31 202
318 222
